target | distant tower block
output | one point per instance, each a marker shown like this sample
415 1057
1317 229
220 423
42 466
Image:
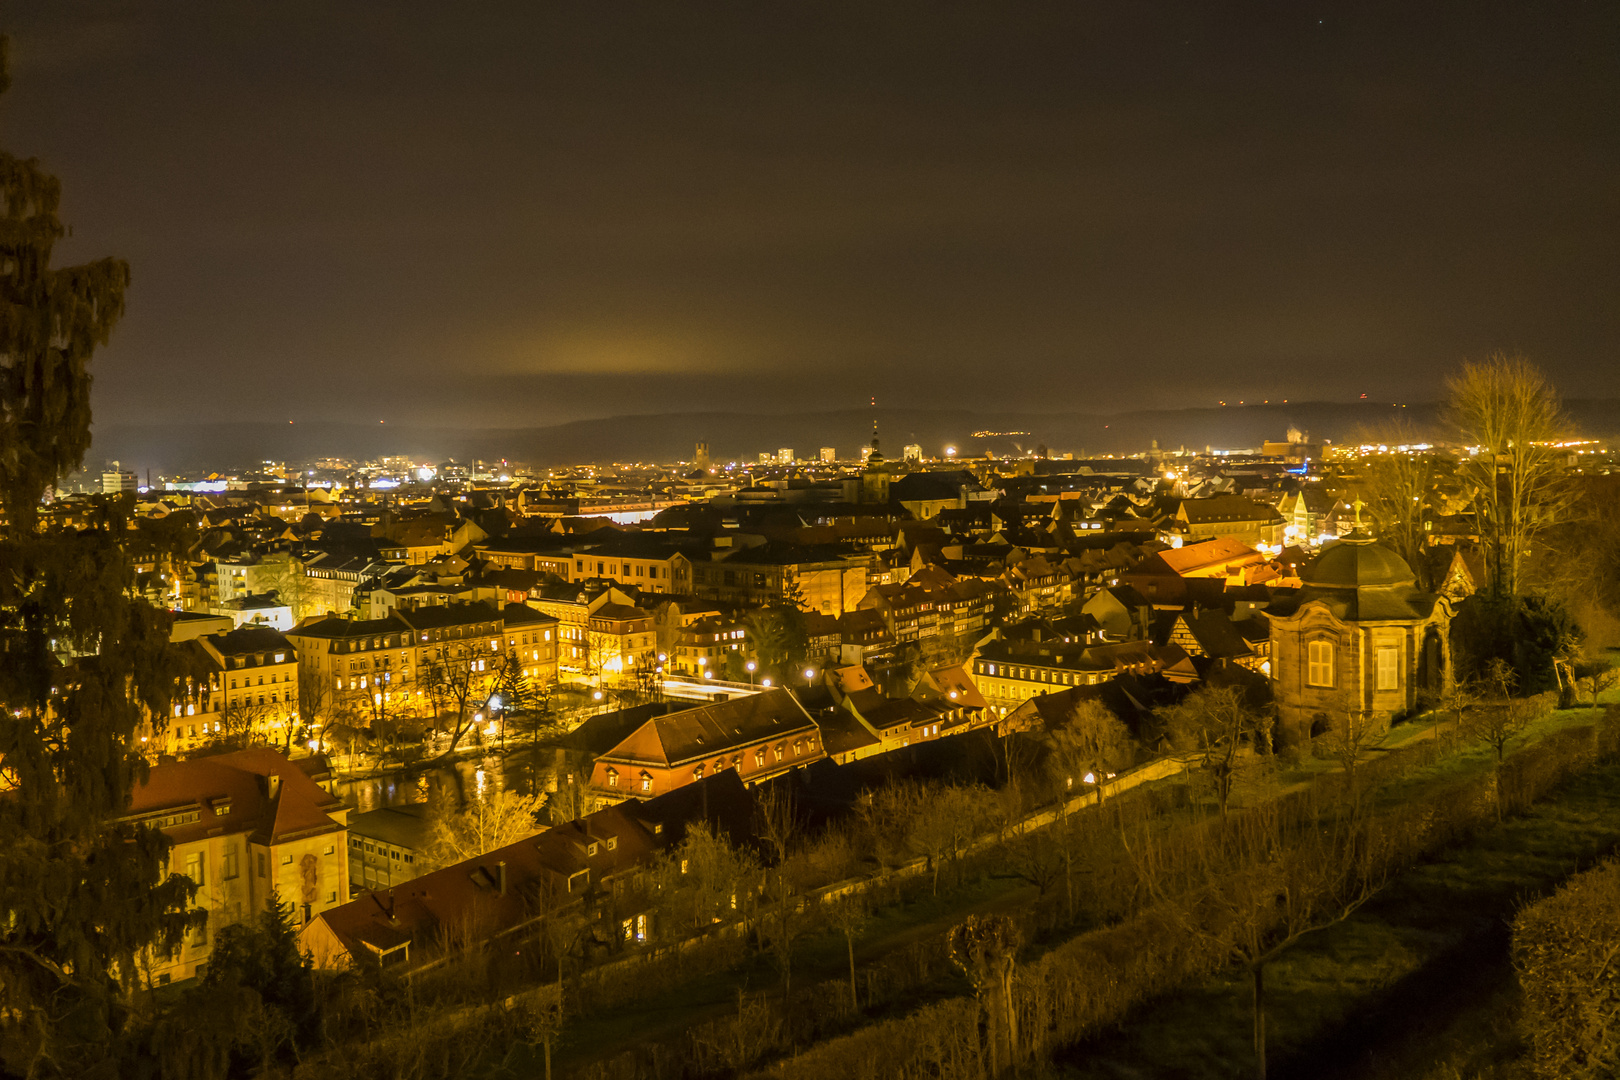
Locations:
829 454
701 457
785 456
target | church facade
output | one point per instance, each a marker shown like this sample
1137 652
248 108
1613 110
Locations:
1358 640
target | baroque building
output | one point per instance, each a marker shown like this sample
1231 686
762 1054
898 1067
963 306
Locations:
1358 640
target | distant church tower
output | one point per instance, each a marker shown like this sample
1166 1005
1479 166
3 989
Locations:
875 480
701 457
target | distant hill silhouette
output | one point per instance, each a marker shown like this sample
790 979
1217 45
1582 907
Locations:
737 436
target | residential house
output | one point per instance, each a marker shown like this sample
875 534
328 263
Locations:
244 826
1121 613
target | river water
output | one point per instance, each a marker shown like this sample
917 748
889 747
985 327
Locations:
525 771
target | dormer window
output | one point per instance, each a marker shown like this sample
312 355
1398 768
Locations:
646 782
590 850
613 777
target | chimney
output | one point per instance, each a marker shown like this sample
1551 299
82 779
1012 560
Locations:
500 873
274 783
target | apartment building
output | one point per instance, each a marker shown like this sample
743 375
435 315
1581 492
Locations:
244 826
240 683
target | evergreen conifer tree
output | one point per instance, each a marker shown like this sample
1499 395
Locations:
82 664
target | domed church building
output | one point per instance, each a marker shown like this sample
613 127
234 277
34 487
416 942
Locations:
1358 638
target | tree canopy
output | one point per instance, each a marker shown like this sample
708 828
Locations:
85 664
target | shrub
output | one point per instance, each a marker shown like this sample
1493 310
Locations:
1565 950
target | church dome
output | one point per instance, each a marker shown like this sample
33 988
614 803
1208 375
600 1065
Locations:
1356 562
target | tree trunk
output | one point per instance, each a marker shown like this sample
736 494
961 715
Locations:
1068 874
854 997
1260 1021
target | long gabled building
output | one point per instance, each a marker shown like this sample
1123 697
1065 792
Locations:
757 735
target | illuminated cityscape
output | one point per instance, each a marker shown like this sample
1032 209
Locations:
808 543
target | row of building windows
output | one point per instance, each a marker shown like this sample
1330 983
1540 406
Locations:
1319 665
605 568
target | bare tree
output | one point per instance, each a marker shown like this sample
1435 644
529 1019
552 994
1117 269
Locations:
944 822
1456 698
282 573
543 1020
1505 408
242 722
1272 876
1600 675
705 880
1398 488
489 821
459 692
986 948
849 916
1498 718
1216 724
1091 746
1349 741
315 699
780 823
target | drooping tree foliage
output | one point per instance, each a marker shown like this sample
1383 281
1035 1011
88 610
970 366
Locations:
82 664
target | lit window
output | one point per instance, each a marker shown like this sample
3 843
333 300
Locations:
1389 667
1319 668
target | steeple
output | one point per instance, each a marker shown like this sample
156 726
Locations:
876 455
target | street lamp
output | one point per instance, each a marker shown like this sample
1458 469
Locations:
809 673
752 667
766 681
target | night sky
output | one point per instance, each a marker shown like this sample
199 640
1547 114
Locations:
533 212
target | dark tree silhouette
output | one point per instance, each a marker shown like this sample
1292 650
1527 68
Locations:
84 665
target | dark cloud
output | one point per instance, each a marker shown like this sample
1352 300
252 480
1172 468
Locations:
502 214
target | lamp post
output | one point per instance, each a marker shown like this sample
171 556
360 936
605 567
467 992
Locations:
752 667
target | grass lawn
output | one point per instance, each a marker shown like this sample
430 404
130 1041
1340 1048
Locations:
1427 955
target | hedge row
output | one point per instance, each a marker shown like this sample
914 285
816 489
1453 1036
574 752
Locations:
1092 981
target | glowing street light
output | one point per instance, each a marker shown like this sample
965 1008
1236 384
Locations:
766 681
